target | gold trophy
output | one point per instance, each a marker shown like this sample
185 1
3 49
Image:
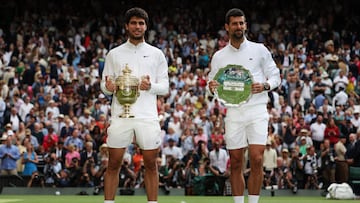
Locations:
127 91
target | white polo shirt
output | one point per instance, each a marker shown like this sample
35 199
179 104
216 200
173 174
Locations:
257 59
143 59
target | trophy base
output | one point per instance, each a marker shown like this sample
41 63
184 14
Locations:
126 116
126 113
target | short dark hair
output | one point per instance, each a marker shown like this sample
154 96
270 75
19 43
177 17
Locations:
233 12
137 12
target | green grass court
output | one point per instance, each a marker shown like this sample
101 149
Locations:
162 199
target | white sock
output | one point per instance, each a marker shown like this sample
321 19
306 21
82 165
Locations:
253 198
238 199
152 202
109 201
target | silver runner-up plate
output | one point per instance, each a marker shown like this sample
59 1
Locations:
234 85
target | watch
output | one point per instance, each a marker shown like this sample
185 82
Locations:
266 86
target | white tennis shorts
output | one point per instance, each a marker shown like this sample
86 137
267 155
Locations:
122 131
246 125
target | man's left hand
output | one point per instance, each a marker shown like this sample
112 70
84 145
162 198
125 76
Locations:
257 88
145 83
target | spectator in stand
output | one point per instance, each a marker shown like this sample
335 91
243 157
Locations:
288 133
187 141
355 120
13 119
171 135
50 140
311 166
58 123
342 170
9 154
74 140
200 136
86 118
29 159
218 158
317 131
34 141
60 152
332 132
52 108
340 98
96 111
66 129
88 153
340 81
70 156
172 150
25 108
353 150
269 164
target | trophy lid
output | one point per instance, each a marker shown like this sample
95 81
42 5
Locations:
126 77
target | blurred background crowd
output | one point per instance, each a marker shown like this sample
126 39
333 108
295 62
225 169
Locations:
53 115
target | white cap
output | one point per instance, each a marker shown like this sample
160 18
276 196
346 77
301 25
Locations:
101 96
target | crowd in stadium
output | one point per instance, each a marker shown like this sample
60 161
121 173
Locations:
53 115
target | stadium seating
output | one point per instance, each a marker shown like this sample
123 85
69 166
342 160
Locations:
354 179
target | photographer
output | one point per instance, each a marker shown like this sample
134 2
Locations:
127 176
190 172
328 164
296 173
74 172
51 169
163 175
176 173
88 173
311 169
36 180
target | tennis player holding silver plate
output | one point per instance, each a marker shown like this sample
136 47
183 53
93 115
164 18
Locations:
241 75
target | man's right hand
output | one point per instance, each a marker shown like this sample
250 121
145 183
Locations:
213 85
109 84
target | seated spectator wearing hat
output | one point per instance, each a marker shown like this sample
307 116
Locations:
52 107
303 146
104 104
34 141
325 79
9 154
86 118
341 81
58 124
331 57
355 120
